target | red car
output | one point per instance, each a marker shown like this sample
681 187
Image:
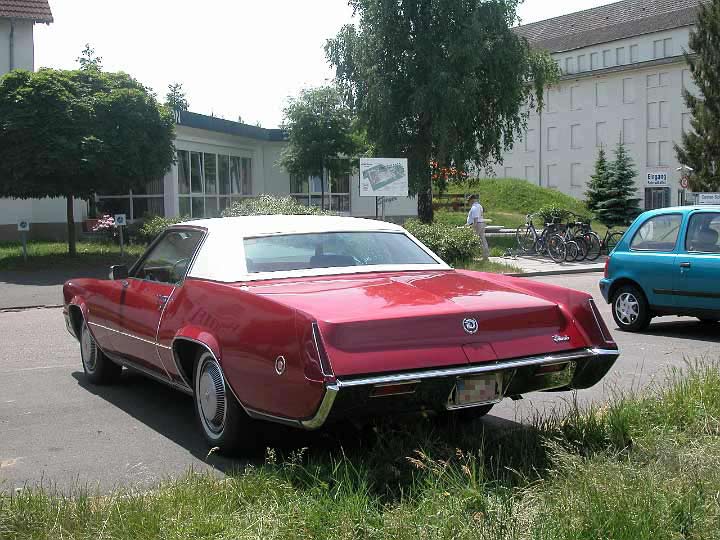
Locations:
304 320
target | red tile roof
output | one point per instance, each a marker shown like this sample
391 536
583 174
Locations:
35 10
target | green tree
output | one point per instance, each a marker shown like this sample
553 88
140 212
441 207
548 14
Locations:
700 148
598 185
88 60
320 134
619 206
175 99
75 133
442 80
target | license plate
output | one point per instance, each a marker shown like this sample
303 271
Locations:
478 389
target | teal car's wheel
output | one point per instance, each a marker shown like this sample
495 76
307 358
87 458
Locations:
630 309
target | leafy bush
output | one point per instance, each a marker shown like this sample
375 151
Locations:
154 225
452 244
554 211
271 205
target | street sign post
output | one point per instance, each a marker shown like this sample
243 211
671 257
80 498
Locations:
120 223
708 198
24 228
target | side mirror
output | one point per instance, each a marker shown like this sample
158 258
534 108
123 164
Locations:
118 271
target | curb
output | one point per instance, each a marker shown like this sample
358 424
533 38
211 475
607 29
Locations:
27 308
559 272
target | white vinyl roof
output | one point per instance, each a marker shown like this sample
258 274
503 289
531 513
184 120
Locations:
222 254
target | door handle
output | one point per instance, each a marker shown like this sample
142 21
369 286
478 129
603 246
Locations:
162 300
685 265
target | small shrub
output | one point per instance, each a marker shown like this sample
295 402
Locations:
551 212
452 244
271 205
154 225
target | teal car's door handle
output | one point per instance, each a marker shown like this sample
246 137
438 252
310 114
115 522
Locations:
685 265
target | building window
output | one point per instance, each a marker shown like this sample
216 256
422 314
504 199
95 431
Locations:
552 177
530 140
208 183
662 48
664 153
628 90
581 63
530 173
634 54
575 136
550 97
658 114
576 175
607 58
620 56
664 114
552 138
570 65
601 134
652 154
686 126
653 80
601 94
594 61
140 203
575 101
309 191
628 130
664 79
508 172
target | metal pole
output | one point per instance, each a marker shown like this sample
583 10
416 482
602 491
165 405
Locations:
122 244
23 235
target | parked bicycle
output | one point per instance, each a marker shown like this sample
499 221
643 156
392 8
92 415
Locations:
546 242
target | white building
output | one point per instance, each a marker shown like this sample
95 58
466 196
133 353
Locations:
623 72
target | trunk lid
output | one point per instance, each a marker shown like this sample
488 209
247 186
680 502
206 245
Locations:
416 320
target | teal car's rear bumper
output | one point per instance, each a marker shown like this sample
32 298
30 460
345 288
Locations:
605 284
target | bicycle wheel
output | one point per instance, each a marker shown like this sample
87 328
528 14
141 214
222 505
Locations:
556 248
525 238
593 246
571 250
613 240
582 248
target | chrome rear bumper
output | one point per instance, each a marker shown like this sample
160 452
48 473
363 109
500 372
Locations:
599 361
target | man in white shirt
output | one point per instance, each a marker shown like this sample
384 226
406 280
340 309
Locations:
476 220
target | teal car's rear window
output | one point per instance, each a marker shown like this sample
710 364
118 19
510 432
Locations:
659 233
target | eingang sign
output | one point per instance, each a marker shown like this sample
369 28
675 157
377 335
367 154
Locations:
383 177
657 179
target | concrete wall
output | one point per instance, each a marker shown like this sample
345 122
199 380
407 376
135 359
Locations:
640 102
24 57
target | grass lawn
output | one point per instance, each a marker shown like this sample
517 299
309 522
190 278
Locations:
54 255
490 266
643 467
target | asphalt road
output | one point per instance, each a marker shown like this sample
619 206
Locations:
57 430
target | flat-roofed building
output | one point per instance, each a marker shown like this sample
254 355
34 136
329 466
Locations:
623 71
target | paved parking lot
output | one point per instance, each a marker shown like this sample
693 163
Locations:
57 430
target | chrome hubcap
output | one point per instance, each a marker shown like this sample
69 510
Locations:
627 308
88 349
211 397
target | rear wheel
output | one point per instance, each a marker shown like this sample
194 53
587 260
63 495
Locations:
571 251
556 248
630 309
222 420
612 241
525 238
594 246
98 368
582 248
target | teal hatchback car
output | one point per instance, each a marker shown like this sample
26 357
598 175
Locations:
667 263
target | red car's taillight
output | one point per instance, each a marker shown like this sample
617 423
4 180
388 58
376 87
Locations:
317 364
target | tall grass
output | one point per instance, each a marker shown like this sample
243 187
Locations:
639 467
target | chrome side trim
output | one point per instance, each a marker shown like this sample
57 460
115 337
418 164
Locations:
150 374
480 368
155 343
317 421
598 316
259 415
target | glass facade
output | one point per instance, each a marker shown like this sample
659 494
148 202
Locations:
148 200
208 182
308 190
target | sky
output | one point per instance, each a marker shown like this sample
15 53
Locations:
235 58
